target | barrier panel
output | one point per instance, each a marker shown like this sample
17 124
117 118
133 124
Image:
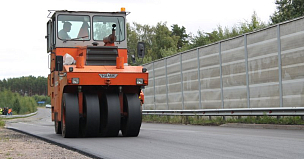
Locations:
261 69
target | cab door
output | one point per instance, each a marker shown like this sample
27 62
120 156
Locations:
49 36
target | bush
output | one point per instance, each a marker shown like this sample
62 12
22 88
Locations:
38 98
19 104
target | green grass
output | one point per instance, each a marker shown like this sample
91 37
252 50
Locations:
201 120
2 123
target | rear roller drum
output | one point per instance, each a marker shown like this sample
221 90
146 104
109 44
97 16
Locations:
91 111
131 123
69 115
110 115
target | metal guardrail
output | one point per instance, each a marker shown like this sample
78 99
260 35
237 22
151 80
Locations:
18 116
279 111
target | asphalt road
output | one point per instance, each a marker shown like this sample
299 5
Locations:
176 141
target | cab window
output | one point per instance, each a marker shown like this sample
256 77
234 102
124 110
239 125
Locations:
102 27
73 27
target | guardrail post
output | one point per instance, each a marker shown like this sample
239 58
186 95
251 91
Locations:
154 85
167 87
182 83
280 65
221 77
197 117
185 121
199 79
247 72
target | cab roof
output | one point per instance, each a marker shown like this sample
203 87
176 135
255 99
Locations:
53 12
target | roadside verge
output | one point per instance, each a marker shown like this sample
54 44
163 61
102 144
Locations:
264 126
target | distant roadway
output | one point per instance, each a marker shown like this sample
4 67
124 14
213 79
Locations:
175 141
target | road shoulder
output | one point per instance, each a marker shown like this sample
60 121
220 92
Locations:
18 145
264 126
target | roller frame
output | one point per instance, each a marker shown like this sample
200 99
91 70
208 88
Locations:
57 124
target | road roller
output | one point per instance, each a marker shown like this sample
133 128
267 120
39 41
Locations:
94 91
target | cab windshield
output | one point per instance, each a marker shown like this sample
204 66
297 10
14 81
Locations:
102 27
73 27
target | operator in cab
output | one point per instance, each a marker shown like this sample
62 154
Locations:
63 33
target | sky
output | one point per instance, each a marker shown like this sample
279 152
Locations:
23 27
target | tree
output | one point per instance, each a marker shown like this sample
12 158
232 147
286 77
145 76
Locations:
179 32
164 40
254 24
287 9
159 41
29 85
16 106
199 40
218 34
140 33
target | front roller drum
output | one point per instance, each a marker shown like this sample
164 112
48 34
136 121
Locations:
131 122
69 115
110 115
91 123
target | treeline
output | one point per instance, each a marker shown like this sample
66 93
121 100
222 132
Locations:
162 41
19 104
23 94
25 86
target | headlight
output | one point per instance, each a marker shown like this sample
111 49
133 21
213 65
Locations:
139 81
75 80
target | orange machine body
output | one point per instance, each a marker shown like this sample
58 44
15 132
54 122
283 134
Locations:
91 76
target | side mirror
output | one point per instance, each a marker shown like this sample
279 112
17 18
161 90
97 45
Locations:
133 58
59 63
140 50
131 55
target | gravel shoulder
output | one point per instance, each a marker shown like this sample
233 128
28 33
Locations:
14 144
17 145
